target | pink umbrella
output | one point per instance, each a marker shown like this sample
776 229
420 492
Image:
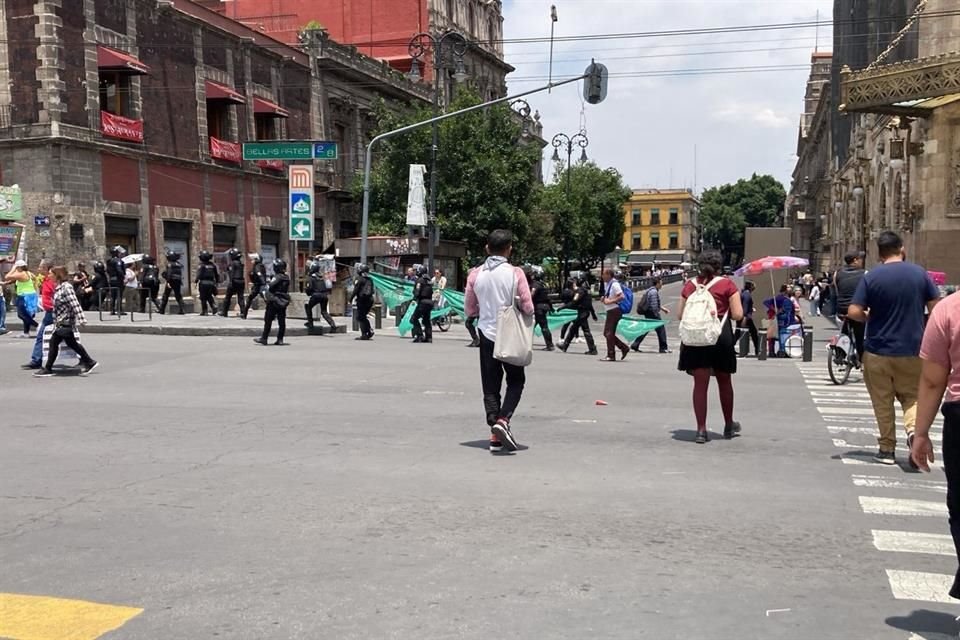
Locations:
939 277
771 264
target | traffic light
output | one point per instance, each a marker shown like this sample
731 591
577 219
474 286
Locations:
595 83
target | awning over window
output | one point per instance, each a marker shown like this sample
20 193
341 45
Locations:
217 91
267 108
658 257
114 60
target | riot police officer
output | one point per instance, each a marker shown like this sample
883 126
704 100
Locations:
116 271
541 304
150 281
583 303
173 279
207 279
258 280
277 294
318 288
363 293
235 282
99 283
423 298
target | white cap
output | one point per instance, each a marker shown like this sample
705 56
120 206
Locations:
19 263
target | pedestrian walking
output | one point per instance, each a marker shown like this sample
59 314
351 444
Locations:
318 288
236 285
150 280
363 293
892 300
612 296
940 381
490 288
68 317
27 300
583 303
541 304
814 299
173 277
207 278
747 324
278 297
567 293
423 299
650 306
705 300
258 280
47 288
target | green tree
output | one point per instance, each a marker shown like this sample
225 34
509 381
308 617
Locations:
726 211
486 176
588 224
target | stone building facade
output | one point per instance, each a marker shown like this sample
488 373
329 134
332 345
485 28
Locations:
896 131
122 121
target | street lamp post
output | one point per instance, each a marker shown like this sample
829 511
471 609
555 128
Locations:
563 140
418 49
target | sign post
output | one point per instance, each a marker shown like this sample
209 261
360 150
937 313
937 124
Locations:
301 202
290 150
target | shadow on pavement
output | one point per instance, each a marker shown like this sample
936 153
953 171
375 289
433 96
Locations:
689 435
924 621
485 444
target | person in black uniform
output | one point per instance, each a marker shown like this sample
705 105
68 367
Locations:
173 277
235 282
116 271
363 293
207 278
583 303
258 280
423 298
277 295
150 281
318 288
566 297
541 304
98 284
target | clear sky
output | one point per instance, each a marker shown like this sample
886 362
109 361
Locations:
647 128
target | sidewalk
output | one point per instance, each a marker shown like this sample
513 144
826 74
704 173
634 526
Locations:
193 324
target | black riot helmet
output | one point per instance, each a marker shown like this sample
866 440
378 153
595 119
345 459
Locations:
420 270
257 258
363 269
98 267
234 254
279 266
205 256
148 259
118 251
172 256
536 271
313 268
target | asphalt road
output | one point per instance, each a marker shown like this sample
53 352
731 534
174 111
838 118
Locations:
335 489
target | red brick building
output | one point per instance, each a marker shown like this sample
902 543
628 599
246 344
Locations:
123 121
383 29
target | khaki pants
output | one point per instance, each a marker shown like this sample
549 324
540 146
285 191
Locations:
889 378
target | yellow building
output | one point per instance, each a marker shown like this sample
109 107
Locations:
661 227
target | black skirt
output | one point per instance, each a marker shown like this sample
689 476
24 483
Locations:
721 357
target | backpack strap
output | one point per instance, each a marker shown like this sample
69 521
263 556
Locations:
715 280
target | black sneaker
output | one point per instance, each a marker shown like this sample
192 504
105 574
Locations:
885 457
592 352
495 445
42 373
913 465
30 366
731 431
702 437
502 431
87 368
260 341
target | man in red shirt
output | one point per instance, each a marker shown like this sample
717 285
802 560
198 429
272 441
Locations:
47 288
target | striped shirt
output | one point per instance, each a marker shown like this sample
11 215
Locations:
67 310
653 300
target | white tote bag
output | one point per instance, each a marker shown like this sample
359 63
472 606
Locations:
514 343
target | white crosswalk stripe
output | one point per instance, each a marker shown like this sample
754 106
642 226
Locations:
893 499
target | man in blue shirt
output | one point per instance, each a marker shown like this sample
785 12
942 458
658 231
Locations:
892 299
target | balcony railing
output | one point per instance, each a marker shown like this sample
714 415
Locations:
4 115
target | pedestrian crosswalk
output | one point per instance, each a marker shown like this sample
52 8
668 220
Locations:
907 509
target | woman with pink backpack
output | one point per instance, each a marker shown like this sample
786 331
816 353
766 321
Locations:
709 307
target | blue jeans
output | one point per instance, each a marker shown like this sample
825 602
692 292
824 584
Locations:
37 356
3 313
24 315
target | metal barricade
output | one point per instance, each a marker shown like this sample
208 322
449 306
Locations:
148 304
100 297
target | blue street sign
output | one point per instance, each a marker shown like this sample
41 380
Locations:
325 150
300 204
41 221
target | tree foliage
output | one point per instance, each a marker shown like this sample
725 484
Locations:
486 176
588 224
726 211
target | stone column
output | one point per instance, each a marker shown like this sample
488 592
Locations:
50 58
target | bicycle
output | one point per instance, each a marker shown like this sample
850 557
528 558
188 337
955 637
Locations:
842 355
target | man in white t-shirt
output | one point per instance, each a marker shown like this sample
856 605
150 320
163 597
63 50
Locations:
490 287
612 295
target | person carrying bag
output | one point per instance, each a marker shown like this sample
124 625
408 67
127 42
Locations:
68 316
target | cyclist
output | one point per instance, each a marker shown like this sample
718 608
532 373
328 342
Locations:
845 283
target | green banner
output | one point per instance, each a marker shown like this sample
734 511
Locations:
11 203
